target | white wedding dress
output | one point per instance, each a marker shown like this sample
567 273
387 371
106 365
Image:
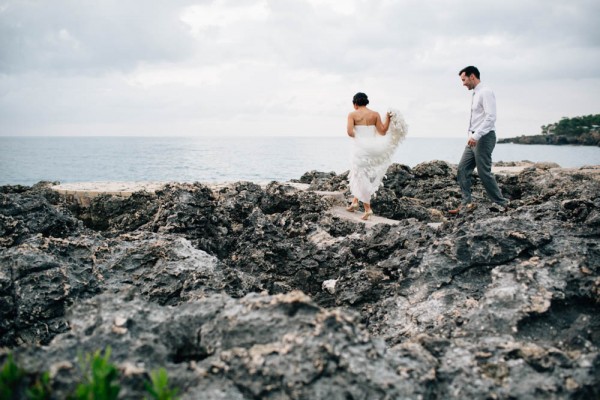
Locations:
372 155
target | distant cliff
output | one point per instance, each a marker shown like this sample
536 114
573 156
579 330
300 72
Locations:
583 130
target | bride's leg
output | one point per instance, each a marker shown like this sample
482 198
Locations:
368 211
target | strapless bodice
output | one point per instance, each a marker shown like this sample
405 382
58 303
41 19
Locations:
361 131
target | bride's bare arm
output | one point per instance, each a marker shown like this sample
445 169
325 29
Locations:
350 125
382 127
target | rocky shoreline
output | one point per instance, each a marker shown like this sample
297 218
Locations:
586 139
248 291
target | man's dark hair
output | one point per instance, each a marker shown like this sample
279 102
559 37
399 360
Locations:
360 99
470 70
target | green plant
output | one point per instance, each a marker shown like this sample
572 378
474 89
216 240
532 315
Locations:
40 390
10 377
159 389
99 378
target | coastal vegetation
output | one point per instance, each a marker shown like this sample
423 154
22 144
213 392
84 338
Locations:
14 382
583 130
99 377
99 381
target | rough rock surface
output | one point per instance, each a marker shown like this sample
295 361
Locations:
246 292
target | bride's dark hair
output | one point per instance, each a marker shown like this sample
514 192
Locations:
360 99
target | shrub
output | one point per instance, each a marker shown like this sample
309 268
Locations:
159 389
40 390
99 377
10 377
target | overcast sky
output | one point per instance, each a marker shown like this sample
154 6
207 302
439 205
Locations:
290 67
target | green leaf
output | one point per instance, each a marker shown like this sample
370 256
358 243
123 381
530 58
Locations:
100 377
158 388
10 377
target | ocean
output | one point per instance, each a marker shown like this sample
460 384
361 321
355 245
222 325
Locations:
28 160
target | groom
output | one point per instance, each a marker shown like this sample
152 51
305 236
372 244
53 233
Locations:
481 143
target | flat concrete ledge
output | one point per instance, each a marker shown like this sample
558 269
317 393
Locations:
340 212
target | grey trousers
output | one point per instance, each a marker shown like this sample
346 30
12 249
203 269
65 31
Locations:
479 156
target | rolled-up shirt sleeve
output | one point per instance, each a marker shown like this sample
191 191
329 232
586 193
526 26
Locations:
487 106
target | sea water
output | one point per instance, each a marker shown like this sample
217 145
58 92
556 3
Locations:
28 160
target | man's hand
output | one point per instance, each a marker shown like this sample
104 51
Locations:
472 142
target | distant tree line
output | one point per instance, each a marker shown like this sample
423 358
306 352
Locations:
584 130
573 126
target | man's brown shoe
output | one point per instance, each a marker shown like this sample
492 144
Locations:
468 208
455 211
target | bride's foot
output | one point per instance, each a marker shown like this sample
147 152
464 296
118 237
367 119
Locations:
367 215
352 207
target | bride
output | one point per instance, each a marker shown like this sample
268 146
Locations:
372 150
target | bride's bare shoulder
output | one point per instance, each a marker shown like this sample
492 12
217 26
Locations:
355 115
372 117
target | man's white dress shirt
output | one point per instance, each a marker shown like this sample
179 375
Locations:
483 112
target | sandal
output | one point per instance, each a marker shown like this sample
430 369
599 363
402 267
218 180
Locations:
367 215
352 207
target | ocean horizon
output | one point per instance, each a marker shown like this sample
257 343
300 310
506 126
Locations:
28 160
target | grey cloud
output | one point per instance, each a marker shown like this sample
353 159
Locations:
539 39
76 62
69 36
86 36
